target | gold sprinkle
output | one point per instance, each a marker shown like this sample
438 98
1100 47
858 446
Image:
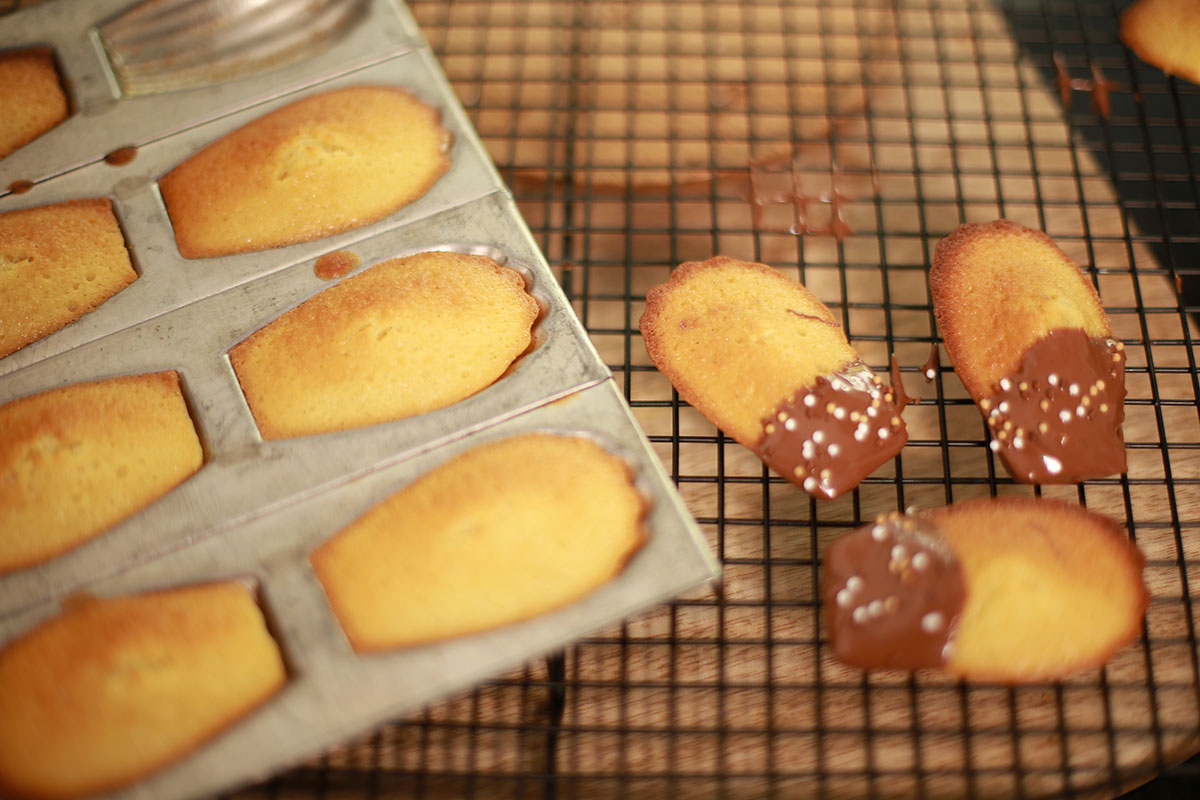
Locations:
1116 357
1023 386
875 403
854 415
799 472
830 407
1008 426
1093 390
1120 346
1043 427
1002 435
782 417
1020 432
895 422
891 604
985 404
1085 402
992 421
1100 384
1044 405
888 397
825 474
1104 408
770 428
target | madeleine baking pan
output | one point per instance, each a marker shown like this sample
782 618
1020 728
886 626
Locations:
257 508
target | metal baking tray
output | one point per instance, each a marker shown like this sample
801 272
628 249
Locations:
256 508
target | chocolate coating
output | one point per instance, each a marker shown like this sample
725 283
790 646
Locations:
1057 419
830 436
892 592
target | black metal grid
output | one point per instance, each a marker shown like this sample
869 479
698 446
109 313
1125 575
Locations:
901 119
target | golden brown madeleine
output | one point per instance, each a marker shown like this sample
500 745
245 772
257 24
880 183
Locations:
1013 590
1165 33
114 689
404 337
32 101
57 263
1032 345
762 358
503 533
77 460
322 165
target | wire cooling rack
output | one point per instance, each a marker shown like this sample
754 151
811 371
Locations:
837 141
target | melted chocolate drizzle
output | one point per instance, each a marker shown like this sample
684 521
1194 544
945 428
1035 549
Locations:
830 436
893 592
931 367
1099 87
1057 419
902 398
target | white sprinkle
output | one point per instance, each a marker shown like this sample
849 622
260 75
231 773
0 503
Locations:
1003 407
1073 390
875 608
818 436
920 561
1005 384
854 583
860 434
839 413
790 425
930 373
879 533
883 433
1052 379
872 411
845 598
1053 465
834 450
810 483
933 622
995 412
1018 443
807 450
994 445
859 615
898 552
1080 411
1064 415
810 400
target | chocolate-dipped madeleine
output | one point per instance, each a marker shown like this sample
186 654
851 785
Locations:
1033 347
1003 589
762 358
